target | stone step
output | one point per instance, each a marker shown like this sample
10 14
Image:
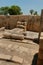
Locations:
5 57
17 59
21 26
21 23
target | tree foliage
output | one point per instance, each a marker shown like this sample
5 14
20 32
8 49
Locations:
35 13
31 11
12 10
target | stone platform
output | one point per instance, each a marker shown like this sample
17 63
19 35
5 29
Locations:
16 52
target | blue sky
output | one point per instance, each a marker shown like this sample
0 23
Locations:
25 5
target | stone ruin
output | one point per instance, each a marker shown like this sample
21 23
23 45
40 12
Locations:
40 54
17 33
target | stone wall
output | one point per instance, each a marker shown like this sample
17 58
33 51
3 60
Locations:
40 54
9 22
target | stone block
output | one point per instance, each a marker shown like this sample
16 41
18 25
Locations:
5 57
21 26
17 59
7 35
2 28
17 36
17 30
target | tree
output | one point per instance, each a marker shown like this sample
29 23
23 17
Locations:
31 11
4 10
1 12
12 10
35 13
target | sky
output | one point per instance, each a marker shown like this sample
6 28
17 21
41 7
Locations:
26 5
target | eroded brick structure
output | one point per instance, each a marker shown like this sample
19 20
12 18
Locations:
10 22
40 54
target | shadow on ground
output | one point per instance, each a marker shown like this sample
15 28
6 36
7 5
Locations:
34 61
36 40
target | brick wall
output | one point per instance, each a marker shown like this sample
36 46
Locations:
40 54
33 22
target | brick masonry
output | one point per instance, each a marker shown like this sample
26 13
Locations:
40 54
33 22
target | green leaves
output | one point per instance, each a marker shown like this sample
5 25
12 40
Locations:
32 12
13 10
35 13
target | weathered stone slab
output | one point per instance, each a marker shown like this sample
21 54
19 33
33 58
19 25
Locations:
9 46
16 36
16 30
41 34
17 59
2 28
23 49
5 57
3 45
41 38
7 35
3 62
31 35
21 26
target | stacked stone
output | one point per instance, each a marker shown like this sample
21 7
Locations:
40 54
22 25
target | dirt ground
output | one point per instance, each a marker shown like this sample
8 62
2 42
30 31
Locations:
25 49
